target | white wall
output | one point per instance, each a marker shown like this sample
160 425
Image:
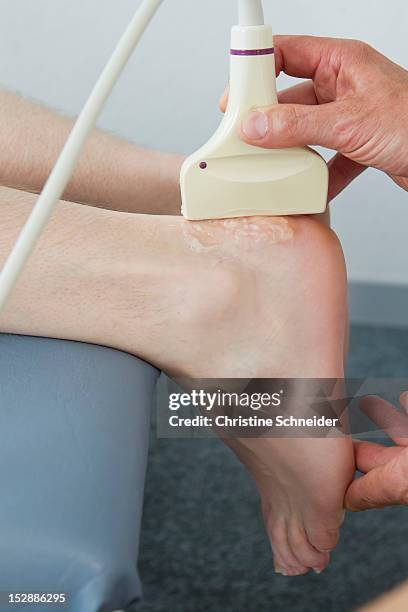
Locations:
53 50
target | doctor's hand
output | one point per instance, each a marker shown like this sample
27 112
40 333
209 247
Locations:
355 101
385 469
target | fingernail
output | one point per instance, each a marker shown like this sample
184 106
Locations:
278 570
317 571
255 126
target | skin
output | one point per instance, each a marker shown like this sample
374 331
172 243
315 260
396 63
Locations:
107 293
385 479
385 469
354 101
396 601
119 280
111 173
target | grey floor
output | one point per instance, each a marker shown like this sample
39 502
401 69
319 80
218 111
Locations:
203 545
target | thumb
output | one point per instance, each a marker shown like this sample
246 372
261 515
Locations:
377 489
291 125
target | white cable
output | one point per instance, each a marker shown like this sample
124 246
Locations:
251 13
68 159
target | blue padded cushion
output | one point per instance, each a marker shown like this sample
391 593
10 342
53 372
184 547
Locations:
74 423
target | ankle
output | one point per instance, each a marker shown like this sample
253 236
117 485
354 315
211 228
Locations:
172 298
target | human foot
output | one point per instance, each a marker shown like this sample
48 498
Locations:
246 298
278 310
250 298
302 483
299 272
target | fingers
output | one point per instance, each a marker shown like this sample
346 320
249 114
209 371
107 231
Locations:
224 100
303 93
404 401
370 456
401 181
301 56
386 480
383 414
342 171
291 125
374 490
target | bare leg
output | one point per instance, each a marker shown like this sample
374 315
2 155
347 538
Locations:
111 173
242 298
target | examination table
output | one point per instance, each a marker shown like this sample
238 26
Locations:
74 442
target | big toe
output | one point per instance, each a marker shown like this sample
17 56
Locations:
306 553
323 536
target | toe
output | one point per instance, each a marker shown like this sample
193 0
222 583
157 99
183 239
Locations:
306 554
286 562
323 538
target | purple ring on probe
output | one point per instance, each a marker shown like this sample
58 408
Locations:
248 52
